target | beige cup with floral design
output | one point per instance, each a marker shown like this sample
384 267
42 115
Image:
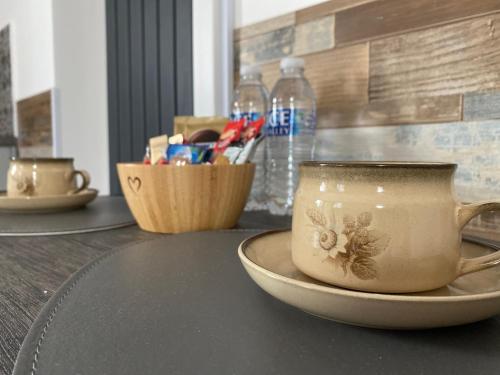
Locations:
44 177
391 227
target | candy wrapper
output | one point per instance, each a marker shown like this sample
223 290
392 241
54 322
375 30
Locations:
253 129
157 147
235 145
147 156
231 133
232 153
177 139
251 137
185 154
248 150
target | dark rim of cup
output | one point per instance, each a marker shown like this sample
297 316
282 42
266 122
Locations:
378 164
41 159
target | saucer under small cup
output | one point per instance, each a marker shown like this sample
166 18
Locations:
470 298
48 203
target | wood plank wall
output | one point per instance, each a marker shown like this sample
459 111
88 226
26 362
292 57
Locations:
6 108
34 122
386 62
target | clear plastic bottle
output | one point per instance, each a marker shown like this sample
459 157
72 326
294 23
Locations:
290 134
250 100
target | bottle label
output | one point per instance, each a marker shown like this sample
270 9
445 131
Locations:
249 116
290 122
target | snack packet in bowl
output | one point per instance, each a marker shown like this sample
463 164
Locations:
231 133
185 154
253 129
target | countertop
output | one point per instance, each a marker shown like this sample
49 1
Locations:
33 268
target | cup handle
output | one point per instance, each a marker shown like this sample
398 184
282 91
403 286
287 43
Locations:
85 180
465 214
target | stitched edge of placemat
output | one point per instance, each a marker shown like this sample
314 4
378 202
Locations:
69 231
36 333
41 324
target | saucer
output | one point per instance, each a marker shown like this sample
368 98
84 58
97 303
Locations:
470 298
45 204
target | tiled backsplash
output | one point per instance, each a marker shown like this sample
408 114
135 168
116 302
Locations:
396 80
475 146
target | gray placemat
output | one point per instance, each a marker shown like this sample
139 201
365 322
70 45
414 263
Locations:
102 214
263 220
184 305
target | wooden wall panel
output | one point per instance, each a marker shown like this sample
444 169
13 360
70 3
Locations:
34 117
483 105
314 36
387 62
393 112
309 37
264 26
451 59
339 76
341 88
384 17
326 8
265 47
337 81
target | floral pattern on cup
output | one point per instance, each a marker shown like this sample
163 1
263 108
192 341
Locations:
362 243
327 236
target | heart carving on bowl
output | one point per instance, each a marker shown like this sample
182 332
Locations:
134 183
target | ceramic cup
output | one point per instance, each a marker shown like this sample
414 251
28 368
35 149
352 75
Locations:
390 227
43 177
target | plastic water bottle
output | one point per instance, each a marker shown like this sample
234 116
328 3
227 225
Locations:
290 134
250 101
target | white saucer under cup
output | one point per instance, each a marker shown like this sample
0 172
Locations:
470 298
46 203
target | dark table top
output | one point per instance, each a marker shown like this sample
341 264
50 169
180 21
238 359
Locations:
33 268
184 305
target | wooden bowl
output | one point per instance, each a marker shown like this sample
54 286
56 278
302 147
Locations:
175 199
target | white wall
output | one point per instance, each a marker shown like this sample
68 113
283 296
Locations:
32 54
32 48
247 12
81 81
212 56
206 58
